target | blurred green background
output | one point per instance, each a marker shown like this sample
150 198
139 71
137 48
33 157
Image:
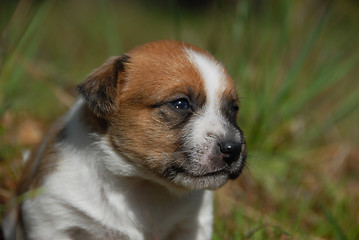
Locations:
296 66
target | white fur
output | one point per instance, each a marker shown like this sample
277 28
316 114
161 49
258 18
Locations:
214 79
212 73
106 205
208 126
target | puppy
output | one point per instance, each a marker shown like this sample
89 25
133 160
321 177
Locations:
153 131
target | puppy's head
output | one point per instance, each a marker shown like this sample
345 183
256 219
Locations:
170 110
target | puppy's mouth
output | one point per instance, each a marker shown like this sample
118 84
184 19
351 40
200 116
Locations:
193 177
213 173
209 174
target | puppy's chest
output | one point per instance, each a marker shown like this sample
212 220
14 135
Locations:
141 219
158 214
130 207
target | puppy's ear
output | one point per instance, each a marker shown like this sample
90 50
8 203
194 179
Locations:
101 87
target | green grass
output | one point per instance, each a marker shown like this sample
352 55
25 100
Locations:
296 65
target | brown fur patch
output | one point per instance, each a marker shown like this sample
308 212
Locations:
157 73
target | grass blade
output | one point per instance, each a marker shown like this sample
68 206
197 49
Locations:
334 223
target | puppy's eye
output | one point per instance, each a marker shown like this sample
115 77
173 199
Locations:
181 104
235 108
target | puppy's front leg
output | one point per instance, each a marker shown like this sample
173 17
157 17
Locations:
193 231
200 226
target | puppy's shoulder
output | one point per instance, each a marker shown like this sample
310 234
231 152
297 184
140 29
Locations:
42 161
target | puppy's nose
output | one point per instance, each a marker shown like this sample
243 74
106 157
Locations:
231 151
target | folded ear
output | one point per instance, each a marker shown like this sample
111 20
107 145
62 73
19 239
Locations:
101 87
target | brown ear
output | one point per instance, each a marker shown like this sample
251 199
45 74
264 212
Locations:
101 87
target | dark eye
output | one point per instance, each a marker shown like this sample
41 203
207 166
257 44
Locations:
235 108
181 104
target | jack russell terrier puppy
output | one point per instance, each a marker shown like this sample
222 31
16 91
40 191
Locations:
153 131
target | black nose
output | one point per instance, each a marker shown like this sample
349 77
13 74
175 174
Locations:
230 150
